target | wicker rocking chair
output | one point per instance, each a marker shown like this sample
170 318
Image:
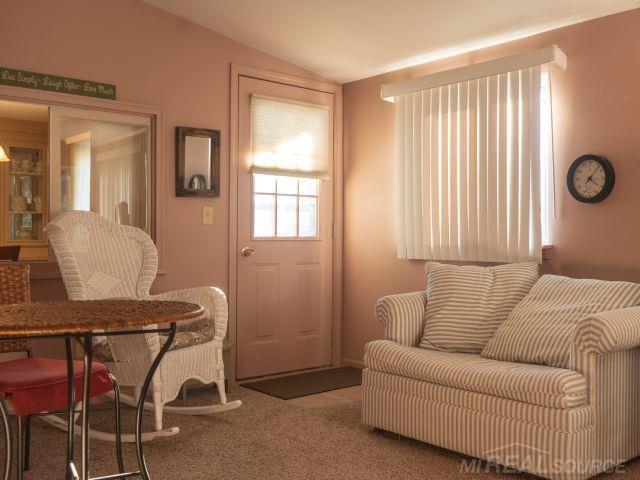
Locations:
100 259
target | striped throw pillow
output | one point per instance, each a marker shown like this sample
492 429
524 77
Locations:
540 328
466 304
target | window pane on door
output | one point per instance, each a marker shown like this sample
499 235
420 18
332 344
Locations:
264 215
309 186
287 216
288 185
285 207
308 217
264 183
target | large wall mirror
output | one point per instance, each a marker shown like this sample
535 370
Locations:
197 162
55 159
102 165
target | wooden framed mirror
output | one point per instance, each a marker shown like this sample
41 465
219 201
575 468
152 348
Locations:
197 162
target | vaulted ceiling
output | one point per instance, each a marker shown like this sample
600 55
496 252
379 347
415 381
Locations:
346 40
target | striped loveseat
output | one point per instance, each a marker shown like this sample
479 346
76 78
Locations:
554 422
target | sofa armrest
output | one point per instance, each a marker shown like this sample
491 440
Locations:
403 317
609 331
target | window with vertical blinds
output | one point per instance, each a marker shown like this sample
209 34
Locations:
289 137
474 169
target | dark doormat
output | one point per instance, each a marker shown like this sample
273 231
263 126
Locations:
302 384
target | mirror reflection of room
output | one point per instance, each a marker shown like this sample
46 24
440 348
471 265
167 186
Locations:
55 160
23 179
197 163
103 169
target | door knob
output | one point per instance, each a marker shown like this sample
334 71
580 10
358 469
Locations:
247 251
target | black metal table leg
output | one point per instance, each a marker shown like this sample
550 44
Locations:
71 473
27 443
20 449
143 394
116 395
87 343
7 438
27 431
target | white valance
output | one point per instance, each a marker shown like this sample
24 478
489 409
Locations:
289 137
549 55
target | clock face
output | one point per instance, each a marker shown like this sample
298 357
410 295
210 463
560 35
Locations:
590 179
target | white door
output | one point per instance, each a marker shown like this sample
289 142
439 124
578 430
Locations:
284 250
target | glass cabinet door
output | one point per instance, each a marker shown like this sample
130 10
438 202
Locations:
26 194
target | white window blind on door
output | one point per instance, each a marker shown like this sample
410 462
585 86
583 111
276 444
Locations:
289 137
469 169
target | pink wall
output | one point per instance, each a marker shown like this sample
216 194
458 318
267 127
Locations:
596 110
158 59
154 58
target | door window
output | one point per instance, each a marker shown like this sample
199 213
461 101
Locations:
285 207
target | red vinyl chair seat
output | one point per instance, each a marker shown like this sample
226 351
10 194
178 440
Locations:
35 385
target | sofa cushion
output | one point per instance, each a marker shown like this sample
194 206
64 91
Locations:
535 384
540 329
432 398
466 304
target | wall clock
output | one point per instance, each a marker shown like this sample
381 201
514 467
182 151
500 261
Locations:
590 178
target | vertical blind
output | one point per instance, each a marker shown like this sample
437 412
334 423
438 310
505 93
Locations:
469 169
289 137
118 170
80 153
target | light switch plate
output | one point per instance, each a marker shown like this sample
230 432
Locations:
207 215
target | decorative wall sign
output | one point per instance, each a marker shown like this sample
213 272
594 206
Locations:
53 83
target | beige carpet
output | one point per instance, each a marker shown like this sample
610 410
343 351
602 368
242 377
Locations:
268 438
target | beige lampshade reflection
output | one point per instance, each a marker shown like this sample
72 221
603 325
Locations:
3 156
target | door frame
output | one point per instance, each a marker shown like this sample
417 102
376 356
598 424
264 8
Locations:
237 71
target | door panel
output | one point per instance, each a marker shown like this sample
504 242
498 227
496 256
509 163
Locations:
266 287
309 312
284 284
